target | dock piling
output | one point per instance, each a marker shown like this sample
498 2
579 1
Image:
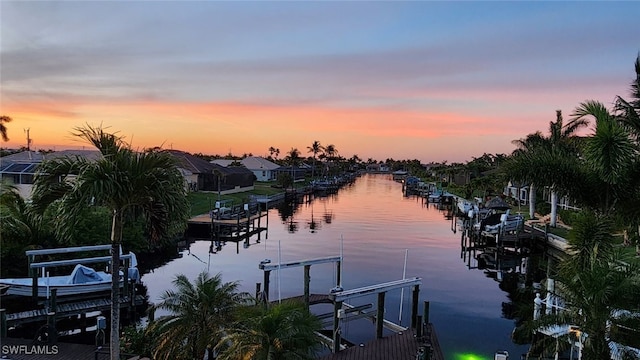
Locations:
3 323
337 306
380 315
414 305
52 337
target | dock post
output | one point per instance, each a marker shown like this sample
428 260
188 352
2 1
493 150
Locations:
380 315
266 286
125 285
425 312
414 305
419 333
337 306
3 323
307 279
53 306
83 323
339 273
51 323
34 285
258 287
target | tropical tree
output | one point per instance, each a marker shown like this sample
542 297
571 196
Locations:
274 151
610 157
281 332
329 153
3 128
629 110
549 161
197 314
596 283
315 148
121 180
293 159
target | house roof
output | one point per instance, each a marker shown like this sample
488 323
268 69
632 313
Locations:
198 165
222 162
258 163
28 161
87 154
192 163
23 156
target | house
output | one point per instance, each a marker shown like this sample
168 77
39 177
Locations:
517 191
263 169
20 168
201 175
377 168
298 173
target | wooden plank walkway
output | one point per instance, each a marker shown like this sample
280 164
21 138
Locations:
69 309
399 346
206 219
313 299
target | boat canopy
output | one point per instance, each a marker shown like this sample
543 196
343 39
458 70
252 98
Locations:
82 274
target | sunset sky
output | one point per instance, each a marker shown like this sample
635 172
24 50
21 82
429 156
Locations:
406 80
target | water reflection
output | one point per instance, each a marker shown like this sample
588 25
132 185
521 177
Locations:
378 225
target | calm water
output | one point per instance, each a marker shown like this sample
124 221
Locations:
377 225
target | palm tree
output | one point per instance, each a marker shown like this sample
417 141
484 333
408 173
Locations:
529 144
330 153
197 314
551 160
274 151
121 181
610 155
629 111
315 148
595 282
3 128
293 158
282 331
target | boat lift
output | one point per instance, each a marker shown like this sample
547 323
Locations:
338 295
34 266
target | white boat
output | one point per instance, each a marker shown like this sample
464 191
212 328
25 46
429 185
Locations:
82 280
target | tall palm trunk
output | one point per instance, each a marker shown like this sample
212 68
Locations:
532 201
554 208
116 235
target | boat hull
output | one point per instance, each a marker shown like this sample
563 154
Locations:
23 286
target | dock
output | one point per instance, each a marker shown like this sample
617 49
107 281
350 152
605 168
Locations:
402 345
69 309
234 224
415 342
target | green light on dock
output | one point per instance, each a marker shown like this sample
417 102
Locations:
469 356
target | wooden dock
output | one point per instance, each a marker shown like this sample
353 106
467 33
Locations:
403 345
69 309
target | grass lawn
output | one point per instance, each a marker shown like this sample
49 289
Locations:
202 202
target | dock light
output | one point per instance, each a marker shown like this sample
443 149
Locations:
469 356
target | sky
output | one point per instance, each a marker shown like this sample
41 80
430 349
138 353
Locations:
426 80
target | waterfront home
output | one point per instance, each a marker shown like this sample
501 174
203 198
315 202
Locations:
201 175
20 168
517 191
263 169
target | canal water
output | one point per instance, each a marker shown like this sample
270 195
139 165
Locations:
375 225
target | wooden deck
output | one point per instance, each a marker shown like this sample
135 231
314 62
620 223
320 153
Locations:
206 219
69 309
400 346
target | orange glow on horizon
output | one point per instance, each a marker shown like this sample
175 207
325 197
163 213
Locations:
241 128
